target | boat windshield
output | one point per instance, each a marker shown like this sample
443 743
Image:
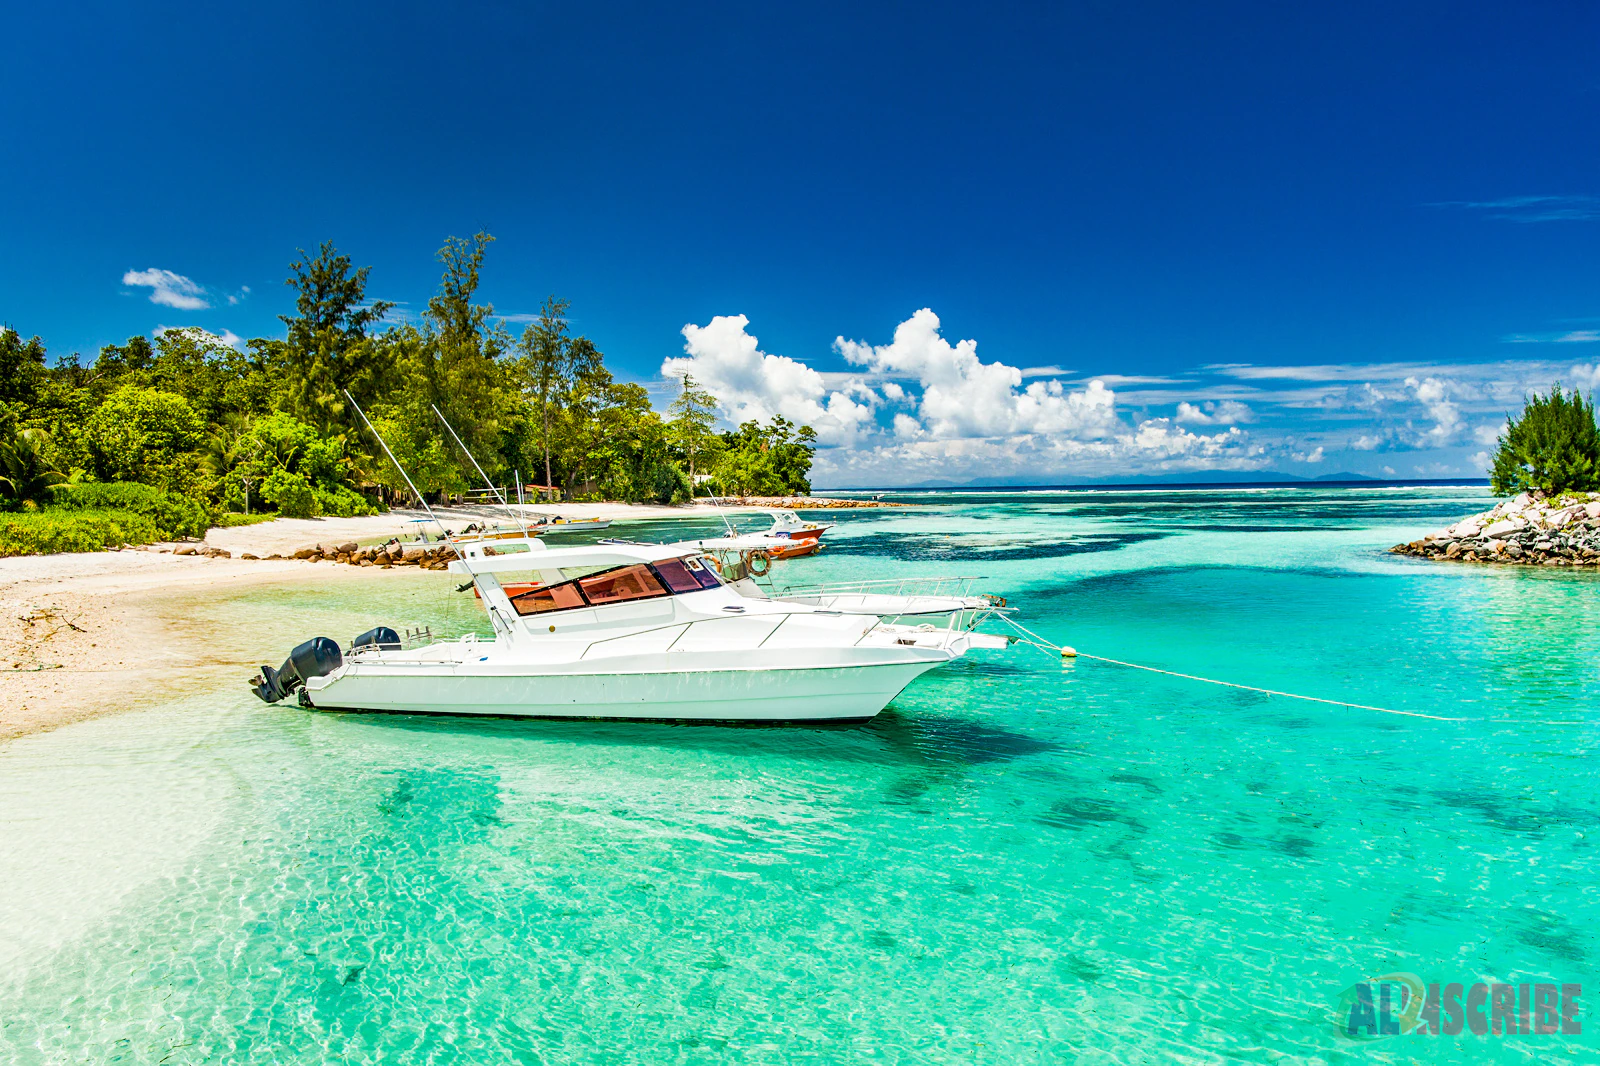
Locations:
639 581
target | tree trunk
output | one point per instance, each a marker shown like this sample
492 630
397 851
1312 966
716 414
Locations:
545 441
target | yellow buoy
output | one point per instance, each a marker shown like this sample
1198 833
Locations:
1068 653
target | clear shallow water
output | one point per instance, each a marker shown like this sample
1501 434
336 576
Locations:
1017 862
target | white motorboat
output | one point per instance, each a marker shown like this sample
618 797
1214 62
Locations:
630 631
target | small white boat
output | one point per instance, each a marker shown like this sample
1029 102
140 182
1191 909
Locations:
556 524
630 631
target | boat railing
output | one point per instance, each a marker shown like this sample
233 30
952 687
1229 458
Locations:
686 626
957 587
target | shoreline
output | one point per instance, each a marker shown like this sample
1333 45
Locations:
1527 530
285 536
95 633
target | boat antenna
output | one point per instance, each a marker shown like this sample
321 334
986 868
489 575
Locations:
723 515
385 446
515 517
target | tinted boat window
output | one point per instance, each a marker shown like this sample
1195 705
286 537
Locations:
553 598
702 573
615 586
677 576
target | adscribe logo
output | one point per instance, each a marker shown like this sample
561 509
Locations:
1402 1004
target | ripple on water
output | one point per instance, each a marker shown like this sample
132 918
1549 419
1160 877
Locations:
1020 861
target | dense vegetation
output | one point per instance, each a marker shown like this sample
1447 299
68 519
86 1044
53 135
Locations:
1554 446
193 423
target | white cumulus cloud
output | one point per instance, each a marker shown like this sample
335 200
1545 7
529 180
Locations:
964 397
1432 394
169 289
751 384
1214 413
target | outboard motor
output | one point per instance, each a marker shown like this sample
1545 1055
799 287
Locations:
384 638
315 658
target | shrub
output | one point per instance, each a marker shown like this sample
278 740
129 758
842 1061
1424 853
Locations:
45 532
145 435
1554 446
171 515
291 494
343 502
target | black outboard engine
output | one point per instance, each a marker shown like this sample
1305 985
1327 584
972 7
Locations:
384 638
314 658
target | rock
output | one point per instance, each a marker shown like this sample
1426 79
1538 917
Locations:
347 548
305 553
185 550
412 555
1514 550
247 555
1498 529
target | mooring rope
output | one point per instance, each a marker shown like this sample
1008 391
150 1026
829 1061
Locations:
1039 642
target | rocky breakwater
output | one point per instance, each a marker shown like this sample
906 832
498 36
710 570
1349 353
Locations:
1529 530
426 556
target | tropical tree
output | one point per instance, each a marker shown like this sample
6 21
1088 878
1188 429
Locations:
460 354
694 417
545 349
1554 446
26 474
22 369
327 349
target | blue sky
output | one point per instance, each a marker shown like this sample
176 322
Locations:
1280 237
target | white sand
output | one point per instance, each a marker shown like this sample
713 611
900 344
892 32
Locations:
111 628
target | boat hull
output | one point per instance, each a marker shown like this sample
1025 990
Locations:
756 694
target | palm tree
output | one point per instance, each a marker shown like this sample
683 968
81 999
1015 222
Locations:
25 473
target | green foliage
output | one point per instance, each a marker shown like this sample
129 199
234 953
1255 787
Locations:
291 494
771 460
293 467
554 364
44 532
26 474
210 428
1554 447
146 435
694 415
328 348
172 515
22 369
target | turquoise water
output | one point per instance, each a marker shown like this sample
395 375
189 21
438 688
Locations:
1019 861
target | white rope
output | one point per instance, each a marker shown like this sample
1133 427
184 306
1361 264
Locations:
1040 642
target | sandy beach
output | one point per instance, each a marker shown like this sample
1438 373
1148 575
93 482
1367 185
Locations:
100 632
